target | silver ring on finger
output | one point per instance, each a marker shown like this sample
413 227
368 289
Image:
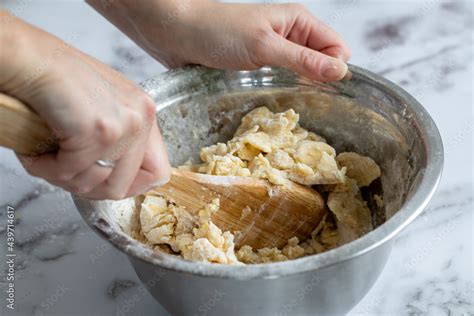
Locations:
105 163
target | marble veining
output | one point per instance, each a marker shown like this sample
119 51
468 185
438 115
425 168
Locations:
426 46
117 287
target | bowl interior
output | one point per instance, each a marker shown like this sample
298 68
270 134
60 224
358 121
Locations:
198 106
352 116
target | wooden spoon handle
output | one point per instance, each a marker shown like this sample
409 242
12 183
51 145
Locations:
22 130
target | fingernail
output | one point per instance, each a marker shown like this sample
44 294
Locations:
165 174
333 69
161 181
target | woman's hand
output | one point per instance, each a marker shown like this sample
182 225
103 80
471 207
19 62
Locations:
232 36
94 111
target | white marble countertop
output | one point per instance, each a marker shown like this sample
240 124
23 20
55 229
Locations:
63 268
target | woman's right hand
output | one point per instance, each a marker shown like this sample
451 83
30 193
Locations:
231 35
95 112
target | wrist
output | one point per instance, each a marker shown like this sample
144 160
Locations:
155 18
27 53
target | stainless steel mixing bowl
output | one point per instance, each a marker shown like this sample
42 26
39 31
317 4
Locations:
197 106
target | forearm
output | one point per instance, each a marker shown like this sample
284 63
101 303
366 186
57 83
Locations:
129 15
12 38
120 12
26 52
151 24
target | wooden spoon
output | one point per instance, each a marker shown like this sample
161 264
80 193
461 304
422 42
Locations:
259 214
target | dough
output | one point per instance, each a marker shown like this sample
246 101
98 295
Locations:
194 237
274 147
268 146
360 168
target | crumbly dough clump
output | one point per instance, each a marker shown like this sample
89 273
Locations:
194 237
268 146
273 146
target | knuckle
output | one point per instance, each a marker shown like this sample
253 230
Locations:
136 121
307 59
109 132
149 110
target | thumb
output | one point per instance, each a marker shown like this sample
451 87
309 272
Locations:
303 60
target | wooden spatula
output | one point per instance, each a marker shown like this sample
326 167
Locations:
259 214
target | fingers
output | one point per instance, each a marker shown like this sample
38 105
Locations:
125 171
131 178
310 32
117 184
324 39
74 166
144 181
337 52
86 181
300 42
156 157
78 154
99 182
107 183
303 60
155 169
